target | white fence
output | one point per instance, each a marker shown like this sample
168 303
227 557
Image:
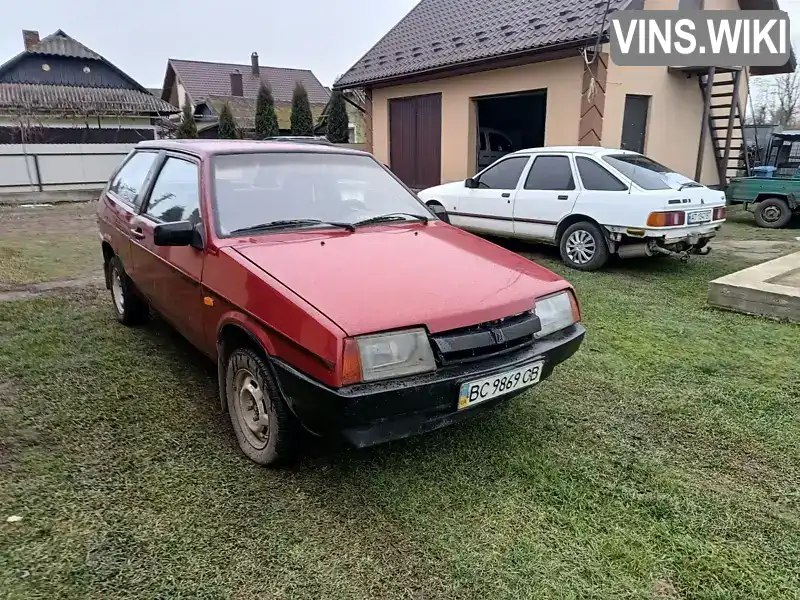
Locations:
51 167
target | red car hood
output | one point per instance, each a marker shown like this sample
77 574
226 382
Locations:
392 277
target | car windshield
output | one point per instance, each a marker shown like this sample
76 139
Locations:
647 173
276 190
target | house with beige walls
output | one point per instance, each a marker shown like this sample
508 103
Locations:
457 83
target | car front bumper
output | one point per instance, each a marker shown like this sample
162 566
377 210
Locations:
372 413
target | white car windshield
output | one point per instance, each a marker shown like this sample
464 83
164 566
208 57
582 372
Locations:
277 190
647 173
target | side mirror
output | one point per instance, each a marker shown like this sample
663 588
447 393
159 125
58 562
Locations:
181 233
471 183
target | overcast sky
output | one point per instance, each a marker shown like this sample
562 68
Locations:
326 36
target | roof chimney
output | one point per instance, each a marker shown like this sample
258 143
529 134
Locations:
30 39
254 63
236 84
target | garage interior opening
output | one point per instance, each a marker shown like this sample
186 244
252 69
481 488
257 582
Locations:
508 123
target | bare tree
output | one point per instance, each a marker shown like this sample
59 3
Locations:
787 95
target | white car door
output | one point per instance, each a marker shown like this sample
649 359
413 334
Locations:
605 197
489 207
547 196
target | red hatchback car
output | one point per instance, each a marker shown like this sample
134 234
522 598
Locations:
329 296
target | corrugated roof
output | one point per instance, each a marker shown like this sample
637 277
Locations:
204 79
441 33
60 44
244 110
16 97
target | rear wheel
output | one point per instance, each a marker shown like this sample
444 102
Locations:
263 425
773 213
129 307
439 211
583 247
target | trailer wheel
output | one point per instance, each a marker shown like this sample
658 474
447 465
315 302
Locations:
773 213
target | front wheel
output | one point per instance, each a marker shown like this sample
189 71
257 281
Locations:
263 425
583 247
773 213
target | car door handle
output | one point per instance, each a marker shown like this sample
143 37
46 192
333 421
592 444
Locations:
137 233
505 195
563 197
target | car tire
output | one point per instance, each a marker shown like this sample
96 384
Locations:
439 210
265 428
129 307
773 213
583 247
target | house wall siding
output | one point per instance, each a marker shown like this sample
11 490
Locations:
676 108
561 78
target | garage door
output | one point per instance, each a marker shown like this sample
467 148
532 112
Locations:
415 140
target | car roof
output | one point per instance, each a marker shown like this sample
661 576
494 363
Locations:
591 150
205 148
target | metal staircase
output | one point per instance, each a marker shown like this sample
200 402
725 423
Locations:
724 112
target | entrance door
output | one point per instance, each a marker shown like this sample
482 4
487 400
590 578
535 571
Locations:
415 140
634 123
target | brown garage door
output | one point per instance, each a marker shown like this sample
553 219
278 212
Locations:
415 139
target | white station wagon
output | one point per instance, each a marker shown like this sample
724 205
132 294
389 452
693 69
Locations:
592 202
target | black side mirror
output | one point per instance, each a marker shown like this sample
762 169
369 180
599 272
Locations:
181 233
471 183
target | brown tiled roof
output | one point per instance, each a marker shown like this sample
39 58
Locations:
204 79
28 97
244 110
60 44
442 33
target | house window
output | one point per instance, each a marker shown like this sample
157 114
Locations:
690 4
634 123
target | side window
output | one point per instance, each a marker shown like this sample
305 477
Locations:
503 175
550 173
128 183
595 177
176 194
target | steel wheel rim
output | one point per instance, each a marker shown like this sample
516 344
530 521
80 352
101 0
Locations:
116 291
771 214
581 246
252 409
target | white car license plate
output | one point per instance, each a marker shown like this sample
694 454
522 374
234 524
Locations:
474 392
700 216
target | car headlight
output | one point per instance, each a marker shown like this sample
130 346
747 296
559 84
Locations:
556 312
387 355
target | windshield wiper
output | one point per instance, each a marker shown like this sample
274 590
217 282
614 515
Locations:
290 224
689 184
399 216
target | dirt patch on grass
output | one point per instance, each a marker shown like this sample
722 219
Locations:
76 219
755 250
47 243
40 290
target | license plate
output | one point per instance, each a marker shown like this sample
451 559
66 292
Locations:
700 216
481 390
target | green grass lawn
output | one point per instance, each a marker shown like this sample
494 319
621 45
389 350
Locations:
39 244
28 259
662 461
